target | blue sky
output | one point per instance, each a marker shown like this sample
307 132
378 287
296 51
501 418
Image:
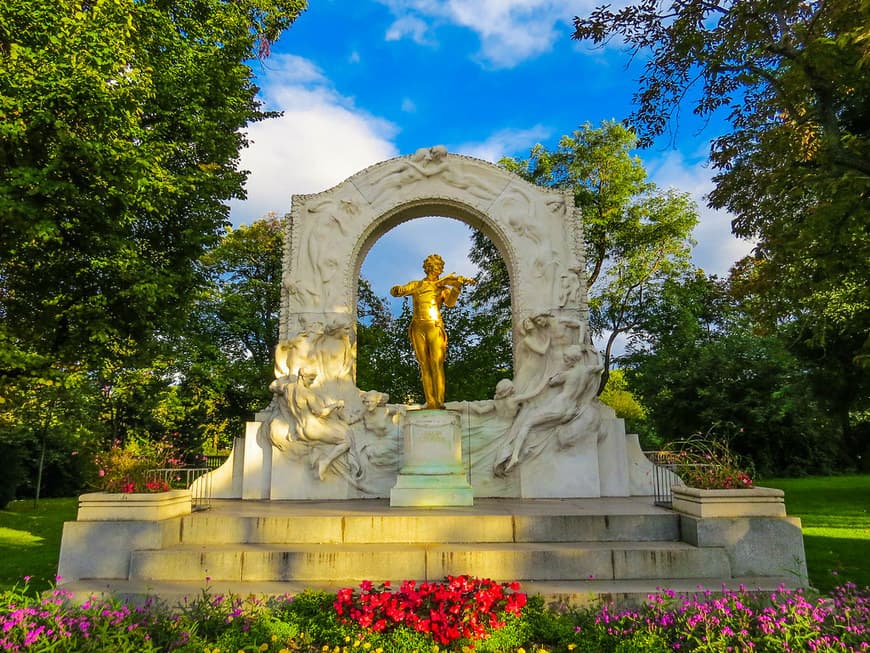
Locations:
360 81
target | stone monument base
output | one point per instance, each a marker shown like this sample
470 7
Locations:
432 473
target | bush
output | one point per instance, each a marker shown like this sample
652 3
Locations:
707 464
124 468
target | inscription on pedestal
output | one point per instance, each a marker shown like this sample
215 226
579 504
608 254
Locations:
433 443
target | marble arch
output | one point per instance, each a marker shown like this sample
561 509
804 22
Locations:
328 234
544 433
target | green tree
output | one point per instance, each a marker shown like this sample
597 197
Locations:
700 367
793 167
119 143
636 235
225 359
120 130
618 395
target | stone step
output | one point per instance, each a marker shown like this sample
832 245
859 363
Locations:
497 560
574 593
216 528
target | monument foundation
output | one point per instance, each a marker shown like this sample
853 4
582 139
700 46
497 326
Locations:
563 494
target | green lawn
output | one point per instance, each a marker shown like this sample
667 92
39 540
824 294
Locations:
30 540
835 513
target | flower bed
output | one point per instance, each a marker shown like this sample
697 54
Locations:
739 621
460 608
707 464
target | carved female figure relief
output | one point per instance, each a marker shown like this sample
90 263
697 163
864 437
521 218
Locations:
336 352
571 393
300 350
317 419
532 353
320 271
425 162
568 293
428 162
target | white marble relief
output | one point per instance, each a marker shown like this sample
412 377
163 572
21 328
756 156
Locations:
330 439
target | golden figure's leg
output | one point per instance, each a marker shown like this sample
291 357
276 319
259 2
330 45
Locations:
437 342
419 339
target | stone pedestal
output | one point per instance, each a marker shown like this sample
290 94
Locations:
432 473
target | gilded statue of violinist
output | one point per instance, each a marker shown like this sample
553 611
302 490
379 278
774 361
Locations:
427 328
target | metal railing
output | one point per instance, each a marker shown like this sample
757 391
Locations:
213 461
182 478
667 467
664 476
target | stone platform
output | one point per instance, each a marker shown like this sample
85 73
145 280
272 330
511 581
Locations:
574 550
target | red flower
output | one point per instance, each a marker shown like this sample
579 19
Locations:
461 607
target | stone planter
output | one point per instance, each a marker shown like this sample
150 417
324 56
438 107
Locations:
749 502
135 506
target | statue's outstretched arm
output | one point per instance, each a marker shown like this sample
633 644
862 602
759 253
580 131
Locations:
402 291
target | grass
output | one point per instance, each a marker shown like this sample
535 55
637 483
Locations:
30 540
835 514
834 510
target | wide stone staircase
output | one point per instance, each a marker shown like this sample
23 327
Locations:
566 550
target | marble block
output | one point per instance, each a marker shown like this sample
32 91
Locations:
432 473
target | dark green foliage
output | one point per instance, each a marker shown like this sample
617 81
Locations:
120 131
550 627
479 352
793 167
699 367
313 612
120 141
13 465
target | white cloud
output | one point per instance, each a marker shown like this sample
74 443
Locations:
506 142
411 26
717 249
510 31
321 139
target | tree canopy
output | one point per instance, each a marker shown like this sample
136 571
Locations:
120 130
791 77
636 234
700 366
119 145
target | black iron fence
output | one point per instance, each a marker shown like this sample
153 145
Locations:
669 467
